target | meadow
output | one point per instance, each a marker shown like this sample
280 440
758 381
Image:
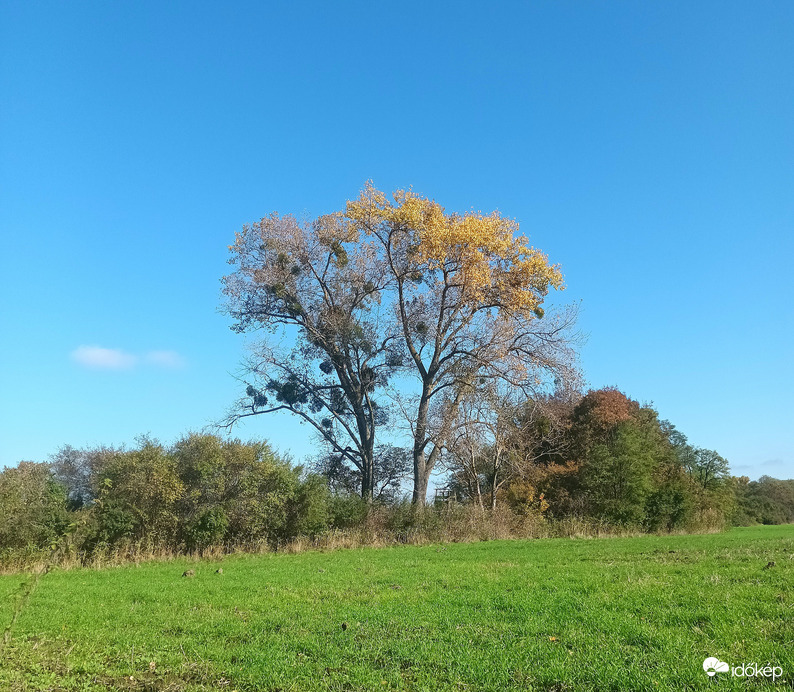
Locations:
639 613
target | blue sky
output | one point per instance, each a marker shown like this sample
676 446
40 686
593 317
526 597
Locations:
647 147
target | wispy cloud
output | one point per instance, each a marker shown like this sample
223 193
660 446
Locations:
773 462
165 359
99 358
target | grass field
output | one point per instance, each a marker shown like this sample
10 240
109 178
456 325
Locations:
559 614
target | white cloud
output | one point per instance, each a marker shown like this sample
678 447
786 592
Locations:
165 359
99 358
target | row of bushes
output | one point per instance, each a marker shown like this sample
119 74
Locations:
204 493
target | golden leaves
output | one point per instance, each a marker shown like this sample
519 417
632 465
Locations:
335 228
481 254
369 209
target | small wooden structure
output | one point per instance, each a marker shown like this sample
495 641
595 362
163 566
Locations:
444 495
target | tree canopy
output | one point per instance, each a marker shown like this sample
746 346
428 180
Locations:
385 287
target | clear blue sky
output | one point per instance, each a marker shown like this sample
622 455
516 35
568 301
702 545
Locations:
648 147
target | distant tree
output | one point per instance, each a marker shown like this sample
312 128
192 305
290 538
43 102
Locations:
618 474
79 470
486 447
472 449
707 467
545 427
672 502
541 461
679 442
631 472
746 511
765 501
602 450
597 415
342 479
781 494
392 467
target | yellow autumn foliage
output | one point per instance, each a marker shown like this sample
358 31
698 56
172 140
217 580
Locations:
332 228
482 254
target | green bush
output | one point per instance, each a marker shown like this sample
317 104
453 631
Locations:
138 497
668 508
33 507
310 512
208 529
347 511
112 522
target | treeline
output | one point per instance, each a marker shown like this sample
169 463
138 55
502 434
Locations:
202 491
765 501
601 456
598 460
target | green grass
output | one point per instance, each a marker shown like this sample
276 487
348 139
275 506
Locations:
609 614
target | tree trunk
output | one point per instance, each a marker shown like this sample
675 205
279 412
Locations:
479 494
475 479
366 433
421 470
367 482
368 470
494 488
421 480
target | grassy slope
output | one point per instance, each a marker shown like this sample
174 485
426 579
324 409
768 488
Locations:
611 614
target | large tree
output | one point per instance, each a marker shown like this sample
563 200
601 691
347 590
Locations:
348 299
467 292
314 290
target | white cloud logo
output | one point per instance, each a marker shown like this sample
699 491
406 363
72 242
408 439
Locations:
712 666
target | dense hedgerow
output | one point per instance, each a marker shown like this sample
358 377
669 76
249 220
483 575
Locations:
624 472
